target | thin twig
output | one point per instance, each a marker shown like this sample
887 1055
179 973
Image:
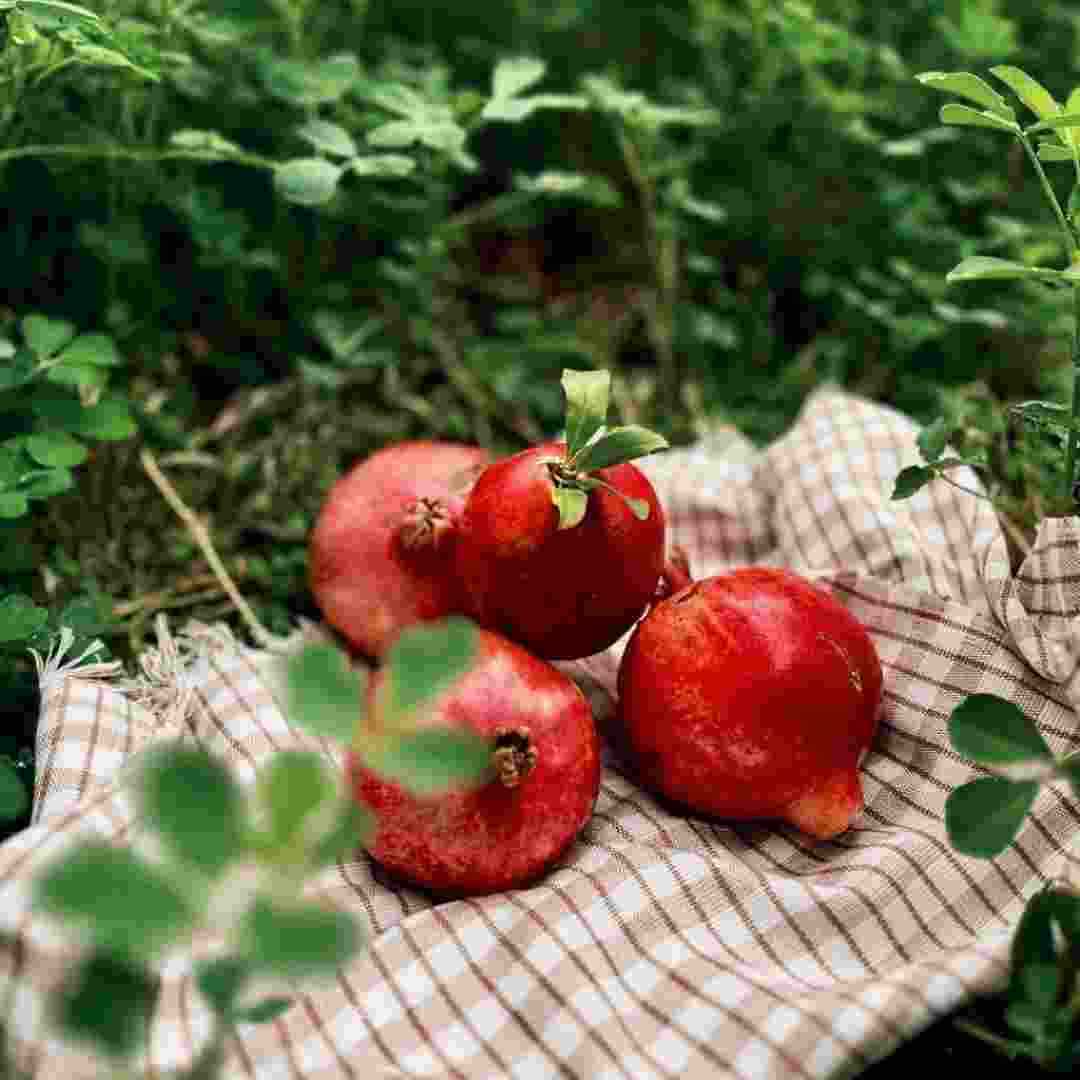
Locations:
201 536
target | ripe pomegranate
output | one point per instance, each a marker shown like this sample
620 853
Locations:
545 780
564 588
752 694
378 553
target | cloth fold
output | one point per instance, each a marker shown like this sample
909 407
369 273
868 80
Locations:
663 945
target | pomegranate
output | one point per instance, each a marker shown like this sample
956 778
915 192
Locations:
379 550
752 694
545 777
564 590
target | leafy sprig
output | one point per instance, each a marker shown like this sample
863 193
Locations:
984 815
227 848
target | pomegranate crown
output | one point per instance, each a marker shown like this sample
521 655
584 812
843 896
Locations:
591 445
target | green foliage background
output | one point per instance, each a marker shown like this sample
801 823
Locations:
264 237
777 207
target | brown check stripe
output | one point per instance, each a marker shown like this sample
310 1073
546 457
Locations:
663 945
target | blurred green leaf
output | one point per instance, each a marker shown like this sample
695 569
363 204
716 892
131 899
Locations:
992 731
423 662
195 805
220 981
82 376
120 901
352 828
18 369
210 141
262 1011
44 483
1036 975
325 696
984 816
109 419
308 82
100 56
56 448
13 505
93 350
512 76
327 137
292 786
307 181
20 617
297 940
110 1003
514 109
392 165
433 760
46 336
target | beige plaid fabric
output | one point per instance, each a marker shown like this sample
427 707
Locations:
663 945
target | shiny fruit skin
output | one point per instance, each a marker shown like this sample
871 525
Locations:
563 593
752 694
365 582
492 838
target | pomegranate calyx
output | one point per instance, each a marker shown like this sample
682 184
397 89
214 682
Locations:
514 755
425 525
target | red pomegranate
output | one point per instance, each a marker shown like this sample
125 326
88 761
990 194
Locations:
380 549
563 588
752 694
545 779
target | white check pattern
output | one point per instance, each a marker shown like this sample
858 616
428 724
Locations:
663 945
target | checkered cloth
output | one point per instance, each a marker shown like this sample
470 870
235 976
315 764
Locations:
662 945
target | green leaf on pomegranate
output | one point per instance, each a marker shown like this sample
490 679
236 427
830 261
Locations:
587 397
910 480
983 817
195 805
992 731
434 760
423 663
571 502
298 939
325 695
619 445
